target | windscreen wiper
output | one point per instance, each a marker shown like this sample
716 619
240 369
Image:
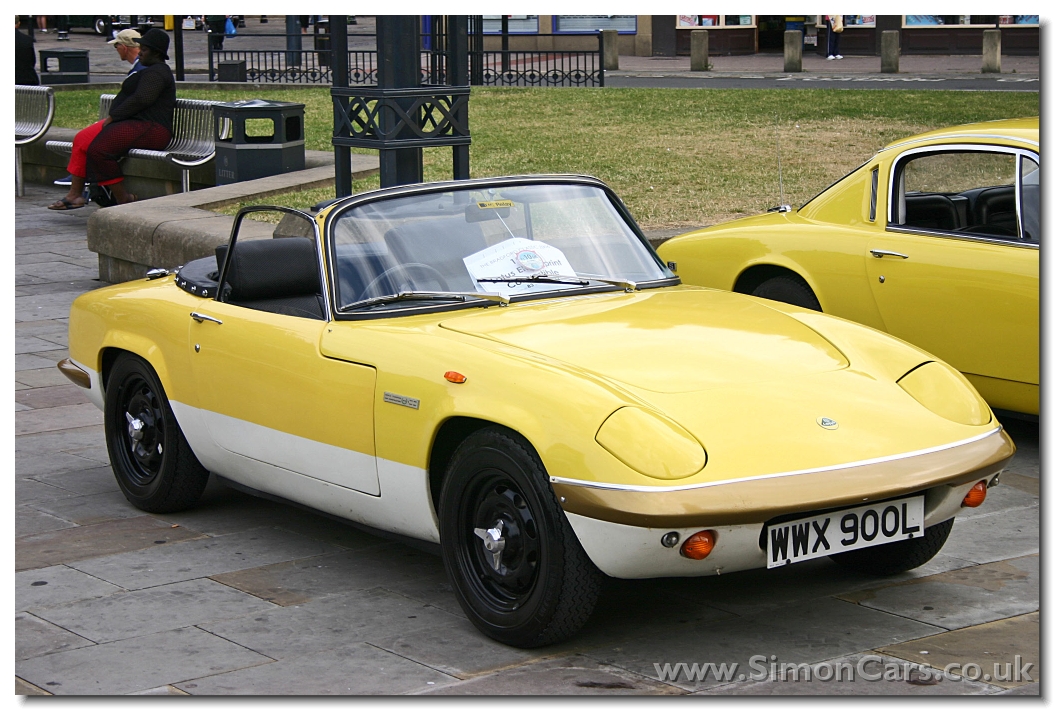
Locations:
570 280
426 296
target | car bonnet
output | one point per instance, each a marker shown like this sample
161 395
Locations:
670 340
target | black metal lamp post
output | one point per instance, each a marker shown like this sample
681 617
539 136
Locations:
399 116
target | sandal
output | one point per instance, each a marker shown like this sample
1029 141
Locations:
66 204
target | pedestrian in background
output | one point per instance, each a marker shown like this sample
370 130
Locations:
217 28
140 117
834 33
42 23
25 59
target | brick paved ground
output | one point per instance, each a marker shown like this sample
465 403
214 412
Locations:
246 596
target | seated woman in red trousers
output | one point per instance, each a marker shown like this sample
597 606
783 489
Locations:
140 117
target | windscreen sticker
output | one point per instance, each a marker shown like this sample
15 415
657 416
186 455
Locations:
515 259
495 204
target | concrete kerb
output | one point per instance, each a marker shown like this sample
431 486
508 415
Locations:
178 228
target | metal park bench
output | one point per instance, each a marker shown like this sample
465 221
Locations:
34 111
193 138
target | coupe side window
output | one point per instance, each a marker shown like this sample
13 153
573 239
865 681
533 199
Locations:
969 192
1030 199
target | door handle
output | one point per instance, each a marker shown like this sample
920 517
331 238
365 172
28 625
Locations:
199 317
879 253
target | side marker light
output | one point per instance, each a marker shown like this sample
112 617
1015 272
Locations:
456 377
699 545
976 495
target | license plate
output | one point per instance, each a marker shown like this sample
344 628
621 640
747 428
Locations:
844 530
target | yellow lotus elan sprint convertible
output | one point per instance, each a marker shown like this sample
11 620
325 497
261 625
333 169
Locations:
506 368
934 240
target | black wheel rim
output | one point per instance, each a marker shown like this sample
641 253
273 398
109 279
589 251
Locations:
504 577
139 423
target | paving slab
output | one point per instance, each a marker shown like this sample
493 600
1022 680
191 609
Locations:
80 544
296 581
223 511
24 688
135 664
57 396
754 590
197 557
31 344
163 690
1011 643
1027 484
807 633
330 623
36 637
148 611
31 361
43 306
29 521
963 597
353 669
566 675
457 649
857 675
53 586
990 538
91 509
28 491
88 481
68 440
41 378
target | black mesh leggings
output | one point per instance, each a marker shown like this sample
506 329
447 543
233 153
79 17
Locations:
114 142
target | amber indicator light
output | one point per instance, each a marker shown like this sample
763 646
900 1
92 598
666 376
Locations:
699 545
976 495
456 377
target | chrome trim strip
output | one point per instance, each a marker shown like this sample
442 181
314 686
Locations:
837 467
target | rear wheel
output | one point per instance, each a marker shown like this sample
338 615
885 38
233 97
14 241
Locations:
517 567
896 557
790 289
150 457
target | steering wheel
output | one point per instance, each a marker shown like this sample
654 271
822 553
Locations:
399 278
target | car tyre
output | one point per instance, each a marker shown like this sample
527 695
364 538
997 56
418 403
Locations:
790 289
150 457
99 26
897 557
541 587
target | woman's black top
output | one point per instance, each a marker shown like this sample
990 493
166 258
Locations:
147 95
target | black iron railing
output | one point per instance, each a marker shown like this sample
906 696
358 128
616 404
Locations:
488 68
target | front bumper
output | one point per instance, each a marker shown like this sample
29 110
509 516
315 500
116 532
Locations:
620 528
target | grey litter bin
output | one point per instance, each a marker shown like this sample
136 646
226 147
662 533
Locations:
64 66
257 138
232 70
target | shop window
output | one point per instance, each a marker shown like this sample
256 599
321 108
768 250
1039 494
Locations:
963 20
625 24
689 21
518 24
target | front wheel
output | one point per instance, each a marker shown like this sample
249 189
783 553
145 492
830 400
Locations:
897 557
100 26
517 567
150 457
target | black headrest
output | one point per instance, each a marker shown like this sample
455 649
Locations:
271 268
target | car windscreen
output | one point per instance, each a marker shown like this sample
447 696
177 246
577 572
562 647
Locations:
510 240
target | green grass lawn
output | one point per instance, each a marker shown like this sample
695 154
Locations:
677 157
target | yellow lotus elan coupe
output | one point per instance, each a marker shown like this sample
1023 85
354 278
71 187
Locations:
504 367
934 240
